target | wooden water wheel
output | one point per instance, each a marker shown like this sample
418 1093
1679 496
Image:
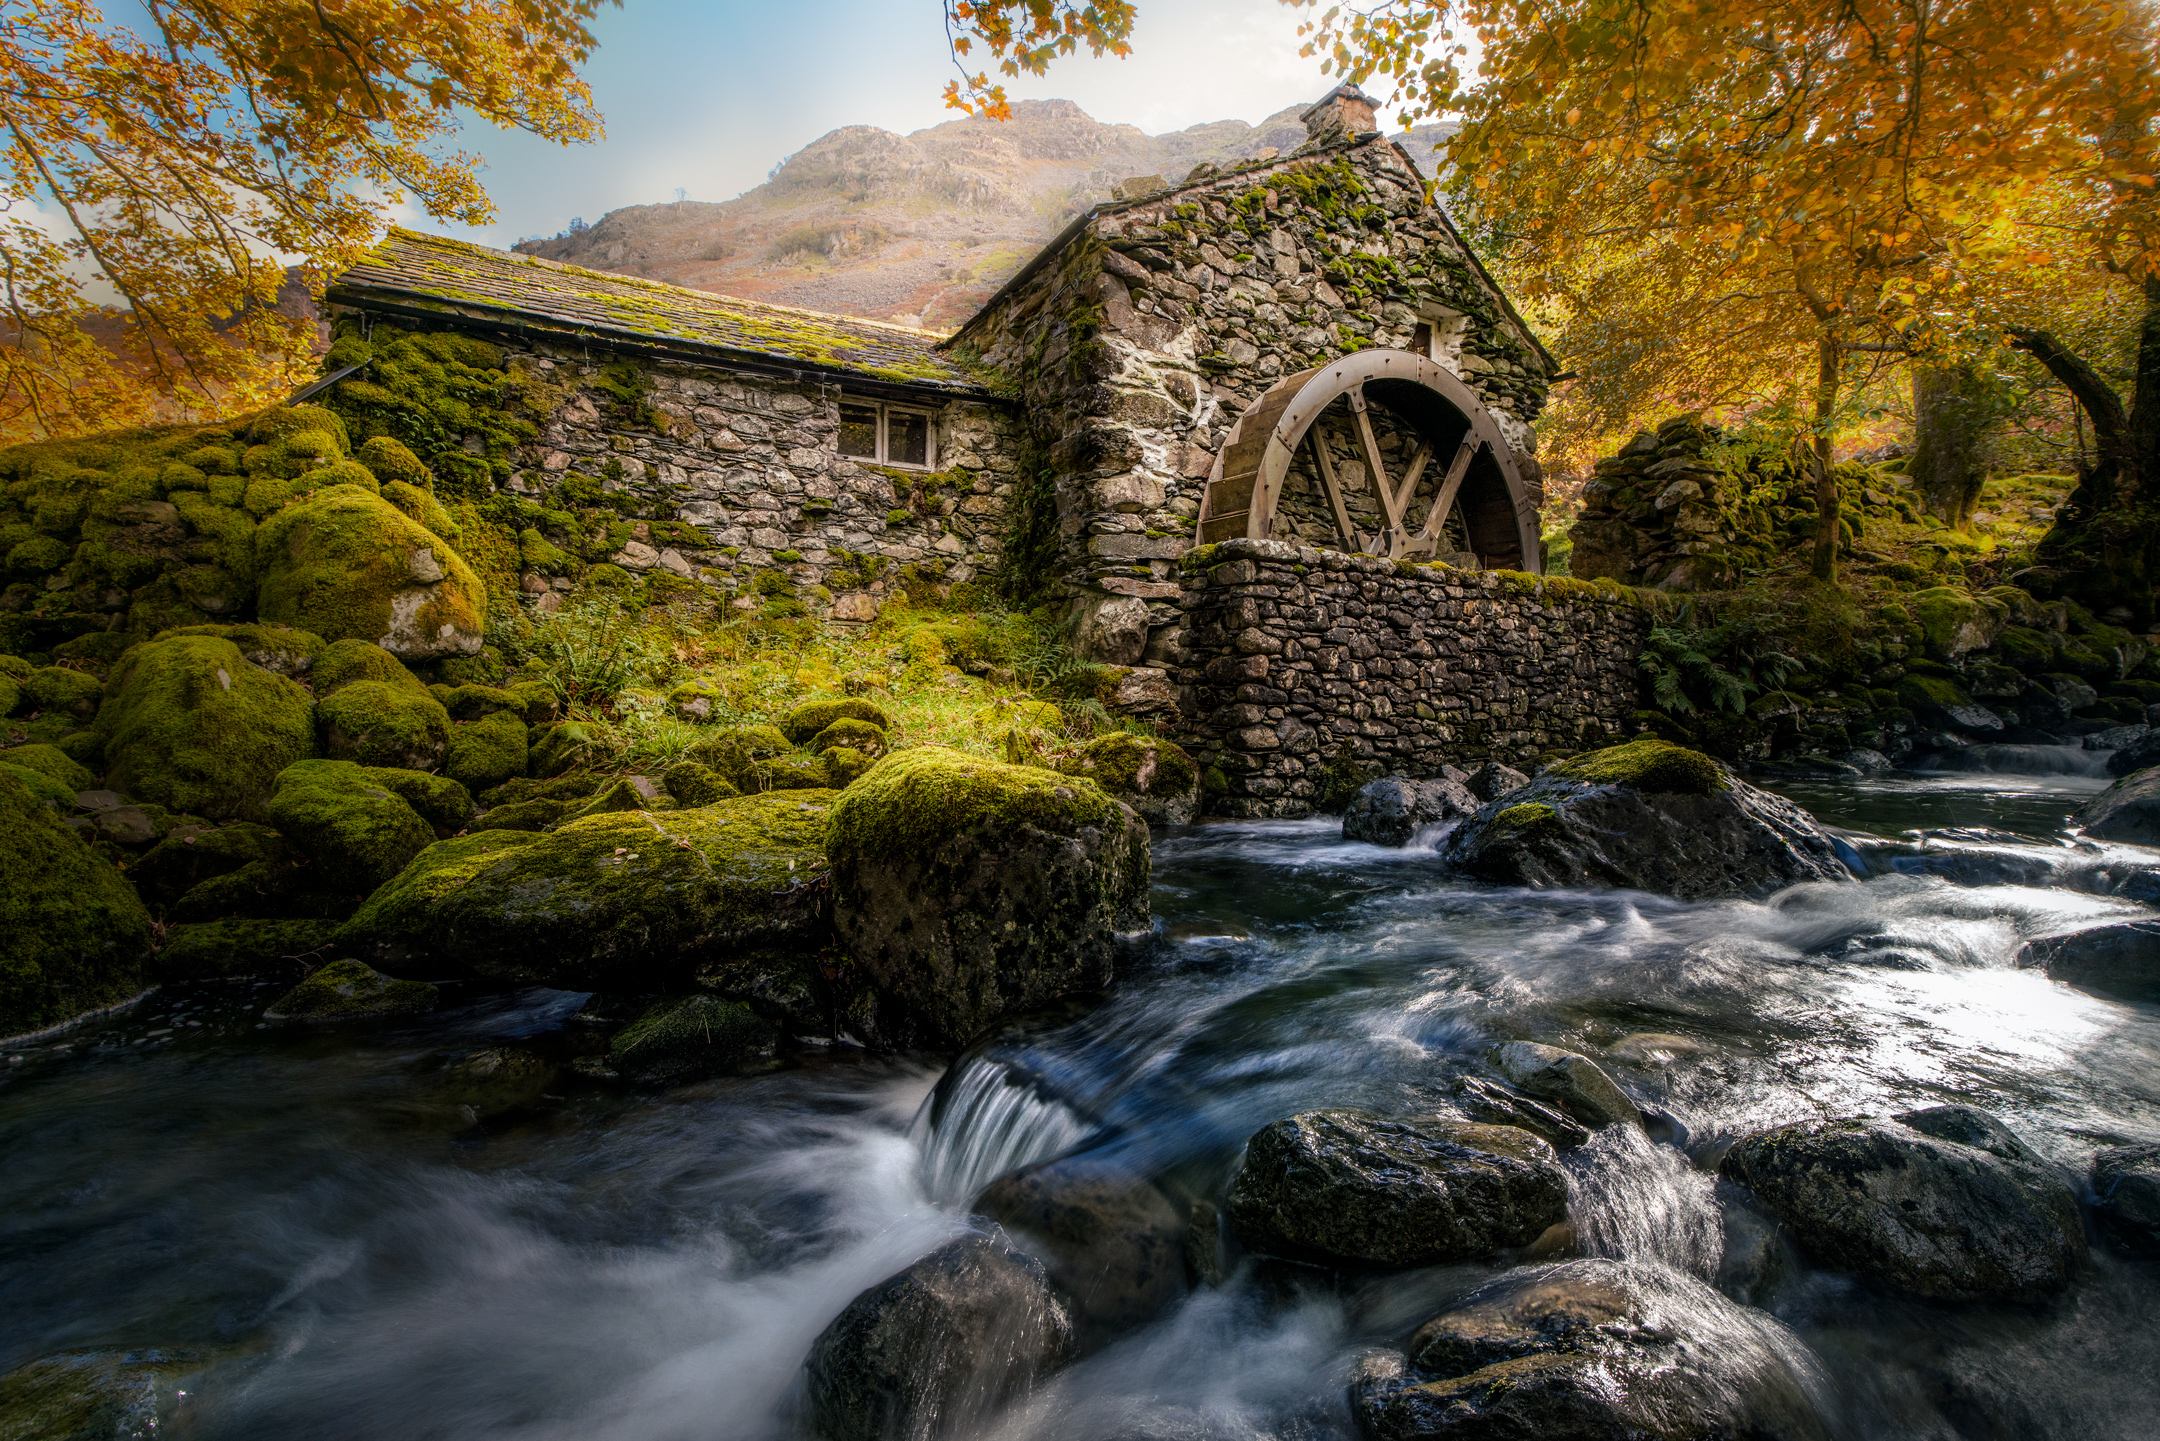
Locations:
1478 481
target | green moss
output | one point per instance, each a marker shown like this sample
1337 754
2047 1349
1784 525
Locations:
1924 693
49 791
442 801
844 765
176 865
573 743
1648 764
348 565
53 763
915 798
276 648
357 830
807 719
69 692
858 735
484 667
475 702
190 725
621 796
350 661
1124 764
394 464
690 1037
1522 819
487 752
345 991
238 947
73 935
378 723
695 784
697 700
423 508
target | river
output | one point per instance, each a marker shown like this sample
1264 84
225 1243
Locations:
370 1251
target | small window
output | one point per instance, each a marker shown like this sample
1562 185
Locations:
891 434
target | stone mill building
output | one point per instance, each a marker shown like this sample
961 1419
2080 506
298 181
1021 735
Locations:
1298 356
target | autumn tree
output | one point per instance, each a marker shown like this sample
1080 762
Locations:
161 181
1024 36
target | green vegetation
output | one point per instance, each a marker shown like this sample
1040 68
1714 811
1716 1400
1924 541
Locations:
356 829
915 799
346 564
348 991
73 935
1649 765
190 725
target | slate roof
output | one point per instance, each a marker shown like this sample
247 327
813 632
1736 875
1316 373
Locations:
435 277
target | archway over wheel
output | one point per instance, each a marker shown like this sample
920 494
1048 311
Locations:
1457 466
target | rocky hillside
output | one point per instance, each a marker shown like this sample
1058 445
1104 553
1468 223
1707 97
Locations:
917 228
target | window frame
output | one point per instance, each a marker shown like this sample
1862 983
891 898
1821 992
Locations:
885 410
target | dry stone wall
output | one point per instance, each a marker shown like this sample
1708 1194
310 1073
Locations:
1298 659
1145 333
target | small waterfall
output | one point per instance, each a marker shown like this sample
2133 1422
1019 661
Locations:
983 1120
2011 760
1633 1200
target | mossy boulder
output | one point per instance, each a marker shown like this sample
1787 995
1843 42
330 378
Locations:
51 762
477 702
347 564
844 766
345 992
696 700
358 831
393 463
695 784
73 935
966 890
1648 816
1155 777
812 716
536 813
570 744
239 947
190 725
856 735
618 901
346 662
1941 702
178 864
1955 622
690 1038
487 752
68 692
278 648
50 793
442 801
373 723
2029 651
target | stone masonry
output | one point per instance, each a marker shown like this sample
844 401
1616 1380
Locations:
1297 657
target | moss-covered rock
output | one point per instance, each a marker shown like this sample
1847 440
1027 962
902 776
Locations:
484 666
345 992
358 832
570 744
688 1038
49 792
11 696
277 648
812 716
1648 764
375 723
538 699
571 787
442 801
1155 777
696 700
695 784
348 662
349 565
624 795
2029 651
487 752
176 865
1956 622
476 702
616 901
394 463
69 692
73 935
536 813
51 762
239 947
966 890
856 735
190 725
844 765
1942 702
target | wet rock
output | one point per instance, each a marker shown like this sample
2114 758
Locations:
966 890
1571 1082
1388 811
1592 1350
96 1395
1495 1105
499 1080
1349 1188
2122 961
73 935
2126 1194
2133 753
1945 1202
1155 777
1647 816
346 991
936 1348
1493 780
1112 1243
690 1038
1652 1048
2127 811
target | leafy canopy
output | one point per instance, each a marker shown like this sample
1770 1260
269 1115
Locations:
1025 36
158 183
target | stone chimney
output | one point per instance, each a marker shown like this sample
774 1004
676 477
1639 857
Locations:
1342 113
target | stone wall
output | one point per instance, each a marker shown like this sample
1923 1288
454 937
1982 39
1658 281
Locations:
1296 658
1147 329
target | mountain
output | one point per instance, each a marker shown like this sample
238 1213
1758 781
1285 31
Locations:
917 228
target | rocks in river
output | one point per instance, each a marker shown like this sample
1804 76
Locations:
1113 1244
966 890
2126 1194
1388 811
2121 960
2127 811
96 1395
1493 780
1573 1083
1592 1350
1155 777
622 900
346 991
2135 752
1496 1105
1648 816
937 1347
1348 1188
1944 1201
239 947
690 1038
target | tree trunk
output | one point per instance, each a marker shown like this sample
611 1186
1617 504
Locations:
1827 363
1950 413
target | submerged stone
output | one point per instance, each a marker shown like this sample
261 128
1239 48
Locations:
1943 1201
347 991
1389 811
1573 1083
1348 1188
936 1349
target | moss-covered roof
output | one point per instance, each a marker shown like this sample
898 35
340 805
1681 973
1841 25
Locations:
430 273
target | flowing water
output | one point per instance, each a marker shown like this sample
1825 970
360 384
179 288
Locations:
374 1252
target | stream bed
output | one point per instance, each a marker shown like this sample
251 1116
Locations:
362 1249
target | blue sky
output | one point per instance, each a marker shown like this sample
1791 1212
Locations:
710 96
